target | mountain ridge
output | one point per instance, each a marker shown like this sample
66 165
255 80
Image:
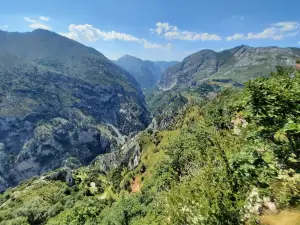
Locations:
61 104
239 64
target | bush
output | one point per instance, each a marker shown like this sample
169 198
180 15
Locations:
56 209
16 221
115 177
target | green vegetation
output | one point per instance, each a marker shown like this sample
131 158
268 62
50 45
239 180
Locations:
167 105
219 163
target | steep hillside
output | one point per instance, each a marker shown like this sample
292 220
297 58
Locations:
61 103
146 72
231 160
238 64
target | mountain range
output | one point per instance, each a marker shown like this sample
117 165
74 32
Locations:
63 104
205 73
238 64
87 140
147 73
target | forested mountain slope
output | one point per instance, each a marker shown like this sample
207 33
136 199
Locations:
233 159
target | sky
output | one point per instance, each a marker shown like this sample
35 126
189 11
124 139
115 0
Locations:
159 29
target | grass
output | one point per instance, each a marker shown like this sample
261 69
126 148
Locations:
286 217
242 74
153 146
200 75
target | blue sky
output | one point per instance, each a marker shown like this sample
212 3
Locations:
159 29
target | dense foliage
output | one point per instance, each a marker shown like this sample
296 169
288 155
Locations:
222 161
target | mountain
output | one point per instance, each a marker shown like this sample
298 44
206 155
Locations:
238 64
61 104
146 72
232 160
205 73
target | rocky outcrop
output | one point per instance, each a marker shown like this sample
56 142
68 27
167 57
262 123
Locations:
64 174
128 155
61 104
255 205
239 122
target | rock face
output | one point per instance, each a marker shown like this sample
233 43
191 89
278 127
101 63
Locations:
146 72
129 154
61 103
63 174
238 64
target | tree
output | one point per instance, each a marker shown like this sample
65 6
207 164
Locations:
274 105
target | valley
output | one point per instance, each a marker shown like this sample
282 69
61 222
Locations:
213 139
147 73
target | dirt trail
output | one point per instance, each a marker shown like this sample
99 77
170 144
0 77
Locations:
136 184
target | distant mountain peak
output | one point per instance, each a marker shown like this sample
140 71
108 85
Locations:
244 46
146 72
129 57
40 30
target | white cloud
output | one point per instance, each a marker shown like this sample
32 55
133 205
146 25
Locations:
163 27
39 26
36 24
148 44
44 18
235 37
172 32
238 17
286 26
29 20
276 31
3 27
88 33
